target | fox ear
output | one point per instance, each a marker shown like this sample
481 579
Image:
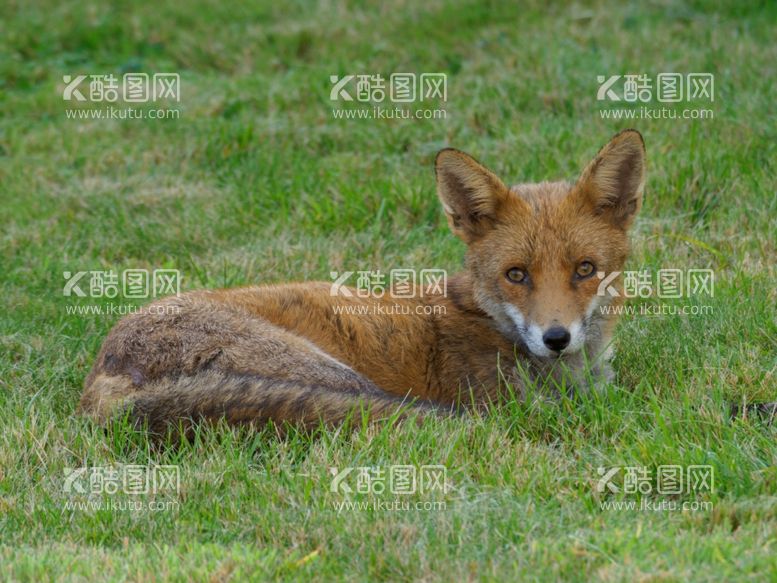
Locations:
470 193
611 185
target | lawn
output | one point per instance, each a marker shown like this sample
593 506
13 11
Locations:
255 180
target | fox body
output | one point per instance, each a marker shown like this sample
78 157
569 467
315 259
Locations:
524 312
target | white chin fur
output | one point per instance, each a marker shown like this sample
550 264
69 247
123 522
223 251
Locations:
529 333
577 337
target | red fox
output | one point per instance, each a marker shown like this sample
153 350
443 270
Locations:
525 312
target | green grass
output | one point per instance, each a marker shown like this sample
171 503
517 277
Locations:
256 182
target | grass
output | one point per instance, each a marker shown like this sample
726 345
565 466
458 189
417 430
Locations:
257 182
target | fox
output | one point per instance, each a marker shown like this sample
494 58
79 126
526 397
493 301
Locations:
524 313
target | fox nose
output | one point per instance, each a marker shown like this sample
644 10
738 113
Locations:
556 338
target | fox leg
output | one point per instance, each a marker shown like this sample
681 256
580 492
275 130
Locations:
207 361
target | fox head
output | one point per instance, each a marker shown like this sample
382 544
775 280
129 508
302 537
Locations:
534 250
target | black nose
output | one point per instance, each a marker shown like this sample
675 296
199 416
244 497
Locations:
556 338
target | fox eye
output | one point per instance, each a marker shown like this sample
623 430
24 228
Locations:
585 269
516 275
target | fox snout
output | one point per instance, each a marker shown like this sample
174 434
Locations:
556 338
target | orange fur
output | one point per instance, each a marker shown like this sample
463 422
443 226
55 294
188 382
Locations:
284 353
